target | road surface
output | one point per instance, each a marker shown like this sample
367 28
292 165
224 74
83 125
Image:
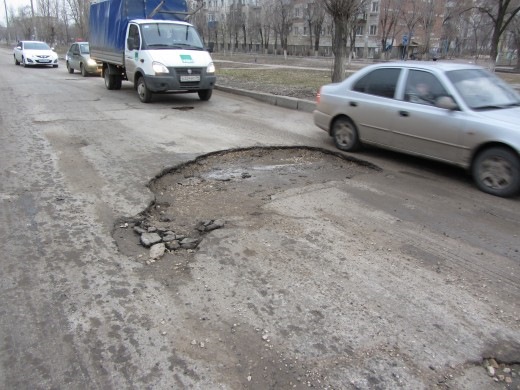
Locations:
328 272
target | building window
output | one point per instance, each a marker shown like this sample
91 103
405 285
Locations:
375 6
359 30
373 29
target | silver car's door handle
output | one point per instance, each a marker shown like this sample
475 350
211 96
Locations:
404 113
353 104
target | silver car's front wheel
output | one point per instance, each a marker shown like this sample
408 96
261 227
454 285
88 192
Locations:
345 134
497 172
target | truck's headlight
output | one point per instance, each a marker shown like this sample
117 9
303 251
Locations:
159 68
210 68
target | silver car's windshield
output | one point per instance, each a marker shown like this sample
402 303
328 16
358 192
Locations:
168 36
84 49
482 90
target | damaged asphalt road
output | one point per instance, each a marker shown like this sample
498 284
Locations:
285 264
301 286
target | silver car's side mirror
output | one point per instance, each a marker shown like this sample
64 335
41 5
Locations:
447 103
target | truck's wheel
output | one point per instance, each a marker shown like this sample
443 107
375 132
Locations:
205 94
109 80
118 81
145 95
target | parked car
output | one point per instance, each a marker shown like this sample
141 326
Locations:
28 53
455 113
78 58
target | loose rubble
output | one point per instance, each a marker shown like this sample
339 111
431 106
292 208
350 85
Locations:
161 240
501 372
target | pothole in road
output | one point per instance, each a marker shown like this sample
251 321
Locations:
217 189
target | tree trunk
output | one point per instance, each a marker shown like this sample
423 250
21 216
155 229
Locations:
245 37
316 42
339 48
518 55
493 54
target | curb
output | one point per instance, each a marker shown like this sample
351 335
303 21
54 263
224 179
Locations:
275 100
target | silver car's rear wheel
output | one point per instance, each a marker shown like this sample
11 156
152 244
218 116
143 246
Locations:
497 172
345 134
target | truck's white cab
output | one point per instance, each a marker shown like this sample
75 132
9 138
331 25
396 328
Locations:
162 57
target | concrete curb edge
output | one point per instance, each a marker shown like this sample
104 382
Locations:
275 100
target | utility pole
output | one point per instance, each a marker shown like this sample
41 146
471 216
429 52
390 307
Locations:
33 24
7 23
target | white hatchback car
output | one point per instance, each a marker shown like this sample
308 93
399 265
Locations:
455 113
29 53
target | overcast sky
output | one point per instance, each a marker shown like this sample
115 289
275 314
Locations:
14 4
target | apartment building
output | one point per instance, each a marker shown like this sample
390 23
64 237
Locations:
418 28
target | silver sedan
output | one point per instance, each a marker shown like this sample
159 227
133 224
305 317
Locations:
455 113
78 58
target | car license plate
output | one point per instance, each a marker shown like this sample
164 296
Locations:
190 78
44 61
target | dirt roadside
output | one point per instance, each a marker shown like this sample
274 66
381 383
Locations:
289 293
297 77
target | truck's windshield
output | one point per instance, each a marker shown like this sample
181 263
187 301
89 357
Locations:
168 35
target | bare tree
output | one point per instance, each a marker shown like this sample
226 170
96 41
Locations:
501 12
23 23
389 14
46 21
267 17
429 11
315 16
199 20
223 27
283 22
342 12
236 23
79 11
454 27
515 31
411 18
480 30
254 26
